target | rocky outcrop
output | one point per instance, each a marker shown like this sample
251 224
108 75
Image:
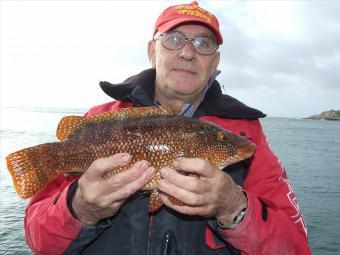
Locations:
328 115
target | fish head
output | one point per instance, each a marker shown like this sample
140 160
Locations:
221 147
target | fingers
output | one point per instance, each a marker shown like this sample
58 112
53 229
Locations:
201 196
194 165
190 183
102 165
185 209
202 168
186 196
188 189
134 186
129 175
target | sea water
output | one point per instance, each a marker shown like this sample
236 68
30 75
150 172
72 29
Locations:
309 150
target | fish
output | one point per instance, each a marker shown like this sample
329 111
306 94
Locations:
154 133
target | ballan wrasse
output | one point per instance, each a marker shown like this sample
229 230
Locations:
154 134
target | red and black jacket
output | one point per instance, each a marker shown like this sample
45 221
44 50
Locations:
272 225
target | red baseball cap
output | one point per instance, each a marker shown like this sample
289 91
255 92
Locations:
178 14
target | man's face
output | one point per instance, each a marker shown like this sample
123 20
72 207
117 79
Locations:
182 74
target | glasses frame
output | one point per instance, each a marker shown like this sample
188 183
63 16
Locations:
186 39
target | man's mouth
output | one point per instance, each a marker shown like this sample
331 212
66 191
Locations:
185 71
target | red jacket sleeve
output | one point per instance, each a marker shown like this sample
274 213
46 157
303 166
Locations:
49 225
273 223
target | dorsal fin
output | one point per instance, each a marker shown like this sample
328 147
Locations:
70 124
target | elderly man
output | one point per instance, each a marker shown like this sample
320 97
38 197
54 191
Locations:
93 215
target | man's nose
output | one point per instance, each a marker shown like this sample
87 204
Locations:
188 52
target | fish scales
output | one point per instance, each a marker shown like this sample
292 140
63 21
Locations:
150 133
143 139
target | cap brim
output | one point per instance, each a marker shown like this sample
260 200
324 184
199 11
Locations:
175 22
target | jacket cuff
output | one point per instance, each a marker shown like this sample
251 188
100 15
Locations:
101 225
68 219
88 233
92 228
70 195
241 228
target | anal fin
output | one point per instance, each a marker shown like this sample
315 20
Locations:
155 201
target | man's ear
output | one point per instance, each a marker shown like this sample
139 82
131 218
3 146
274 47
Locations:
216 62
151 53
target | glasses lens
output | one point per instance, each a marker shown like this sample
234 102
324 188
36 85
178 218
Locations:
204 45
173 40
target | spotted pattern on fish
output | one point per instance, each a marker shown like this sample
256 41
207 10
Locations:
154 134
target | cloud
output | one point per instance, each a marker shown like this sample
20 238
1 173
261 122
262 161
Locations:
305 54
55 53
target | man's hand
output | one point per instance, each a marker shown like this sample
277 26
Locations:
98 198
213 194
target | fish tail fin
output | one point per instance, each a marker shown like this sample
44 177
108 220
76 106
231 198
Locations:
31 168
155 201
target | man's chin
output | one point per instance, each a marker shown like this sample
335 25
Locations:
183 80
182 88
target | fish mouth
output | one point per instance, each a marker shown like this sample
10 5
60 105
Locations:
248 151
245 153
242 154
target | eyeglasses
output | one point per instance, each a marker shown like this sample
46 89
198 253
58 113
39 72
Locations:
175 40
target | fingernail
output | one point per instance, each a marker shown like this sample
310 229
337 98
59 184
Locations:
149 173
142 164
125 158
164 172
162 184
163 197
176 161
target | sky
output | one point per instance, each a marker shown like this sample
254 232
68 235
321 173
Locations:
281 57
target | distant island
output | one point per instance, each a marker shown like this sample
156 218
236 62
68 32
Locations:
328 115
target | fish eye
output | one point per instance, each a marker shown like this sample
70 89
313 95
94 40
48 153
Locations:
221 136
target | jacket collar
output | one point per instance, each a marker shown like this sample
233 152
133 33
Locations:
139 89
